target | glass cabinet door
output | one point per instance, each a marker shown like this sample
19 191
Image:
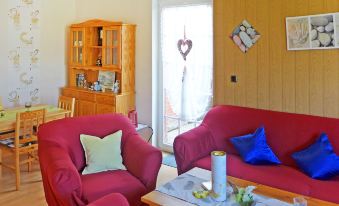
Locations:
77 42
111 49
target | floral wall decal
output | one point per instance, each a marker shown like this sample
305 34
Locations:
35 17
35 57
15 16
23 51
26 38
27 2
14 58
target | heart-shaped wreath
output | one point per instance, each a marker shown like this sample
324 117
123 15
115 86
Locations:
184 47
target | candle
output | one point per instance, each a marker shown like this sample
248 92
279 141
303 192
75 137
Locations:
219 175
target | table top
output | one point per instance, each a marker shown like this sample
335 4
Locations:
156 198
7 122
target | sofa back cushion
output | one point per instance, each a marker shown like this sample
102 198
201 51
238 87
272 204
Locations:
286 132
66 133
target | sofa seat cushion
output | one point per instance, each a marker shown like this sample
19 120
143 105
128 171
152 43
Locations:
278 176
325 190
100 184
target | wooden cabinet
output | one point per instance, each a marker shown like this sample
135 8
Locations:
86 108
101 46
104 108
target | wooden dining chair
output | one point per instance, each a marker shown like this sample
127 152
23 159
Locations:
25 141
1 105
67 103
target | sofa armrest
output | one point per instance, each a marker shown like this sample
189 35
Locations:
192 146
61 179
142 160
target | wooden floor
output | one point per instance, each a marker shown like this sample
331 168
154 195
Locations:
31 192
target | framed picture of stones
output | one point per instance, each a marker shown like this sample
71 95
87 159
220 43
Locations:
313 32
245 36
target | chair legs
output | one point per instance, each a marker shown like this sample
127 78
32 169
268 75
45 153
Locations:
29 164
0 163
17 170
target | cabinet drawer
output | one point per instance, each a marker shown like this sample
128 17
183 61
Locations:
86 108
87 96
104 109
70 93
104 99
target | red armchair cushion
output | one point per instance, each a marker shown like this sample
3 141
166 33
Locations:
97 185
116 198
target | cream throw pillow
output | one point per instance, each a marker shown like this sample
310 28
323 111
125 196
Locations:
102 154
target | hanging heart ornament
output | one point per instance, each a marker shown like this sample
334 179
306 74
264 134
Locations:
184 47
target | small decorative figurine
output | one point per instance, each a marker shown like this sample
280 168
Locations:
96 86
99 62
85 84
116 87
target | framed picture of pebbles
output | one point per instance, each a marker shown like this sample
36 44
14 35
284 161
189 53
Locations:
313 32
245 36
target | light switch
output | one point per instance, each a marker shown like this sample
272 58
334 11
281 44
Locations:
234 79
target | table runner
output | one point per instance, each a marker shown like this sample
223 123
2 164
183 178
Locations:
10 114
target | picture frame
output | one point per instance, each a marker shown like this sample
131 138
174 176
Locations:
312 32
106 79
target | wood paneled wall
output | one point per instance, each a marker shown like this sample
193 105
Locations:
269 76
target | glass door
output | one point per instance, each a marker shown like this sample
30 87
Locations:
77 45
186 68
112 47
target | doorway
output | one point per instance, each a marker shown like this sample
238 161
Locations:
185 78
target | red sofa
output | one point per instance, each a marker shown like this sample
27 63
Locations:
286 133
62 159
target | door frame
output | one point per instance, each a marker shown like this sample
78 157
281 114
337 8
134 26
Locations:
157 70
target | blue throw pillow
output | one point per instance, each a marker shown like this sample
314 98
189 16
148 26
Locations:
254 149
319 160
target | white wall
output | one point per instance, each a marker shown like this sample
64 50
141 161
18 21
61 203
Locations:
55 17
137 12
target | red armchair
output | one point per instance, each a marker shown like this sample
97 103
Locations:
62 159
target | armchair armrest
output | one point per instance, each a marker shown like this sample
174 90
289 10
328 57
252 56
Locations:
192 146
62 183
142 160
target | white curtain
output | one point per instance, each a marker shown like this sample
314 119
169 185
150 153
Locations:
189 91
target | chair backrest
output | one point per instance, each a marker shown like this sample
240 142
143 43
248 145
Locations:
65 133
67 103
27 124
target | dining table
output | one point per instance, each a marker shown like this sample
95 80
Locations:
8 115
